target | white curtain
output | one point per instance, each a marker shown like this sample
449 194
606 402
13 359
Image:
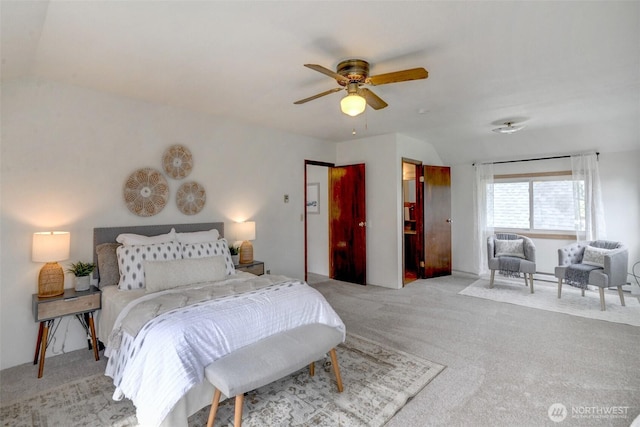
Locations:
584 168
483 206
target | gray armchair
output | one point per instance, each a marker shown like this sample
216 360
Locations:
613 273
525 263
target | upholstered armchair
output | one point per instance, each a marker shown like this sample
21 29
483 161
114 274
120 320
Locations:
511 254
600 263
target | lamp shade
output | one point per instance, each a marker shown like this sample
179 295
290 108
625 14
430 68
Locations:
50 246
246 230
353 104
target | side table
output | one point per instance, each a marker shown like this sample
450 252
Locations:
255 267
47 311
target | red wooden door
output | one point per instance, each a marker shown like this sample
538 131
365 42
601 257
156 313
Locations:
437 221
347 224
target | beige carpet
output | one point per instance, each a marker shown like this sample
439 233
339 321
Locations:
378 381
514 291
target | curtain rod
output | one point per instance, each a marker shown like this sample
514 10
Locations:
532 160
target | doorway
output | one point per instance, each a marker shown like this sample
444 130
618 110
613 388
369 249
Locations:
412 212
335 222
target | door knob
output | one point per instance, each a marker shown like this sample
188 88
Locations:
449 220
362 223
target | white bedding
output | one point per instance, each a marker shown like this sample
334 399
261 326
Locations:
182 341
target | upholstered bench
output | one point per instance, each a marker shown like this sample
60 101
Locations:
268 360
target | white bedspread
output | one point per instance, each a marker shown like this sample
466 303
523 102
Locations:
167 357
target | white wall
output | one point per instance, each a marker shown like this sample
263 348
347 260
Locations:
620 180
318 224
66 152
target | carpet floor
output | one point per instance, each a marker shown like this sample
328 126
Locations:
378 382
545 297
506 364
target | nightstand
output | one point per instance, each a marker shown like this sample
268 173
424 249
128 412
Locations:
47 310
255 267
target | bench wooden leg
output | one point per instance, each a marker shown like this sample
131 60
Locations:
214 407
312 369
336 369
493 273
530 280
237 421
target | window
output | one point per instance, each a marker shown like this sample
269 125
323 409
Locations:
535 202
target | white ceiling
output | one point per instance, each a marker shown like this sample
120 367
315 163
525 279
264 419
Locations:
568 70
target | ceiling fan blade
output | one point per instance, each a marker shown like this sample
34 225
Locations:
373 100
398 76
311 98
328 72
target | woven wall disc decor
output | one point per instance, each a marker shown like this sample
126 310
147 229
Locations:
191 198
146 192
177 161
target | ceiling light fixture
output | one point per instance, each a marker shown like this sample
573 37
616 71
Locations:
508 128
353 104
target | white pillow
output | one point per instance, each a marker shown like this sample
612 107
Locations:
198 236
138 239
131 261
594 256
162 275
510 248
219 247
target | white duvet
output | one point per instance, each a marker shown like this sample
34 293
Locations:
156 362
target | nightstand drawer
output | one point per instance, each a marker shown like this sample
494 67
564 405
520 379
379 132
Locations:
256 267
258 270
62 307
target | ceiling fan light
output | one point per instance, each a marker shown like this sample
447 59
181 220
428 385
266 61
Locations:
353 104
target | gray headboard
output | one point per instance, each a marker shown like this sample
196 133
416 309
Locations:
109 234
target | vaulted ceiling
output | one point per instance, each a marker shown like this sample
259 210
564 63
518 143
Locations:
568 70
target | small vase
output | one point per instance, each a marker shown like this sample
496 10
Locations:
235 259
82 283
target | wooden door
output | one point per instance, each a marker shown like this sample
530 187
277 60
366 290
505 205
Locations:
347 224
437 221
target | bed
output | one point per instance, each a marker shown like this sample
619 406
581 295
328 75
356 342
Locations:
169 314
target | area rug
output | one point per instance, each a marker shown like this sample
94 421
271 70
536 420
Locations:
546 298
378 381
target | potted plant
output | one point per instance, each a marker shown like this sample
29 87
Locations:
235 253
81 271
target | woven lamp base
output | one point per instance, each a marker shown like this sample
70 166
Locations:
51 280
246 252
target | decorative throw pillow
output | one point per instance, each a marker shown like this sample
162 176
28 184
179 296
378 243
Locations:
510 248
138 239
219 247
594 256
108 264
198 236
131 261
162 275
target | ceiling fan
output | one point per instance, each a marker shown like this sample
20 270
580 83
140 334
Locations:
351 75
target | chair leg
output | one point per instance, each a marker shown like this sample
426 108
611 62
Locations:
583 291
530 281
525 279
214 408
493 273
237 420
621 295
602 306
312 369
336 369
559 288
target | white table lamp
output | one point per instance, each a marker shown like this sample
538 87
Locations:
51 247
